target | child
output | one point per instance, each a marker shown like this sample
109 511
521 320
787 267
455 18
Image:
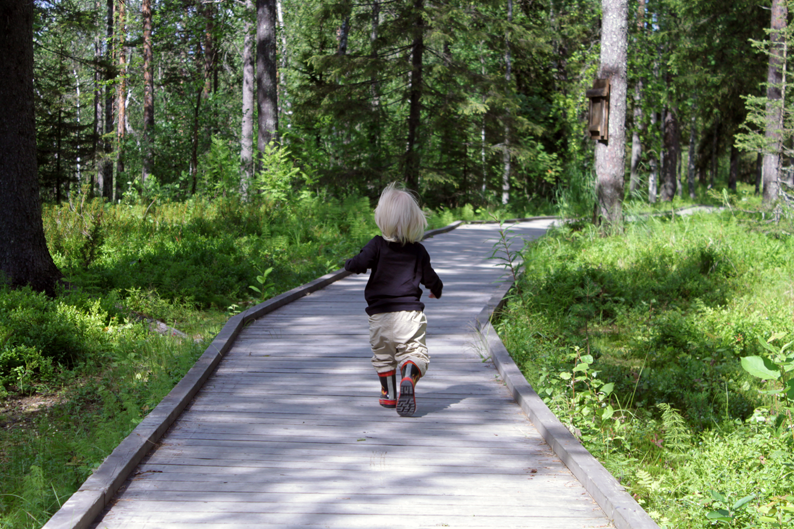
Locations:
397 323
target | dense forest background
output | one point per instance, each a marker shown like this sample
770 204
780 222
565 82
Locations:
468 102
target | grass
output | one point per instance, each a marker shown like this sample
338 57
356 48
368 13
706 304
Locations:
635 342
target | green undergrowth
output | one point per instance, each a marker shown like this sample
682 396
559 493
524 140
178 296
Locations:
636 341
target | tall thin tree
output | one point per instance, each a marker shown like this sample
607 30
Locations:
508 71
415 97
266 73
636 141
121 104
247 133
148 89
610 154
776 98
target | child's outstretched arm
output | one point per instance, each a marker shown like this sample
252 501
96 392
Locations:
364 260
430 279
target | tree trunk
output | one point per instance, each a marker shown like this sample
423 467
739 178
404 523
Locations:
342 36
58 154
266 82
148 90
692 154
508 71
209 47
653 176
122 93
247 136
610 154
636 142
714 152
759 172
96 184
776 97
194 152
105 173
24 258
414 113
375 90
283 97
671 149
734 172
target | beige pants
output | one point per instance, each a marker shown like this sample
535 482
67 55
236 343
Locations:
396 338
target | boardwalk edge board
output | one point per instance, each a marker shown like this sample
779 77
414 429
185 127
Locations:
98 490
613 499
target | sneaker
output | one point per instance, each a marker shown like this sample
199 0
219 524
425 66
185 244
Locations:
406 404
388 389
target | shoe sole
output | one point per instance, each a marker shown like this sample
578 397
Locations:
388 403
406 404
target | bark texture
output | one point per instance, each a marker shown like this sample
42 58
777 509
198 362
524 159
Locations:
24 258
610 155
266 71
247 136
776 98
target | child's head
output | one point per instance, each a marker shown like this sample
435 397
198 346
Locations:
399 216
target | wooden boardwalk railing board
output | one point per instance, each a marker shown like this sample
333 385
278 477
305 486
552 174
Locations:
288 432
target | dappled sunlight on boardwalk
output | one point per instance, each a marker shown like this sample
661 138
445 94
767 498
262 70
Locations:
288 431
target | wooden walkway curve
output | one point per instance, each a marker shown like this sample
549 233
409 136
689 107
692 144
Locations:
288 432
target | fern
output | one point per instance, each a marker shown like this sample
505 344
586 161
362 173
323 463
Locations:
677 436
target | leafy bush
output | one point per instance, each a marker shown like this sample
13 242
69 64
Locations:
637 341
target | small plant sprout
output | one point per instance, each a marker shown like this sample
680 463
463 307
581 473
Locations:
265 288
726 514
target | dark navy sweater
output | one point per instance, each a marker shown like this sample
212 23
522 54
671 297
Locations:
397 271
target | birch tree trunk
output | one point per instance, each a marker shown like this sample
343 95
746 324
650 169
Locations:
652 177
671 151
148 89
283 97
776 98
692 154
121 93
506 151
610 154
247 133
24 257
636 142
414 113
266 72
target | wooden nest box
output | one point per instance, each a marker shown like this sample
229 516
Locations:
598 124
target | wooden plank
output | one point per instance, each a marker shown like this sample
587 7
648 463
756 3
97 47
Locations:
531 509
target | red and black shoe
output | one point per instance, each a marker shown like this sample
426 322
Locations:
406 404
388 389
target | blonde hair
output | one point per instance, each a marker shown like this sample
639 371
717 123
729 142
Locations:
399 216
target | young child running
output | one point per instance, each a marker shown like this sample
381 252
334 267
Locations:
397 323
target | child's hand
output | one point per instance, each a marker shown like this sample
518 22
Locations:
433 296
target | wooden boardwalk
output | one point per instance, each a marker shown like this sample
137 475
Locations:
288 431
